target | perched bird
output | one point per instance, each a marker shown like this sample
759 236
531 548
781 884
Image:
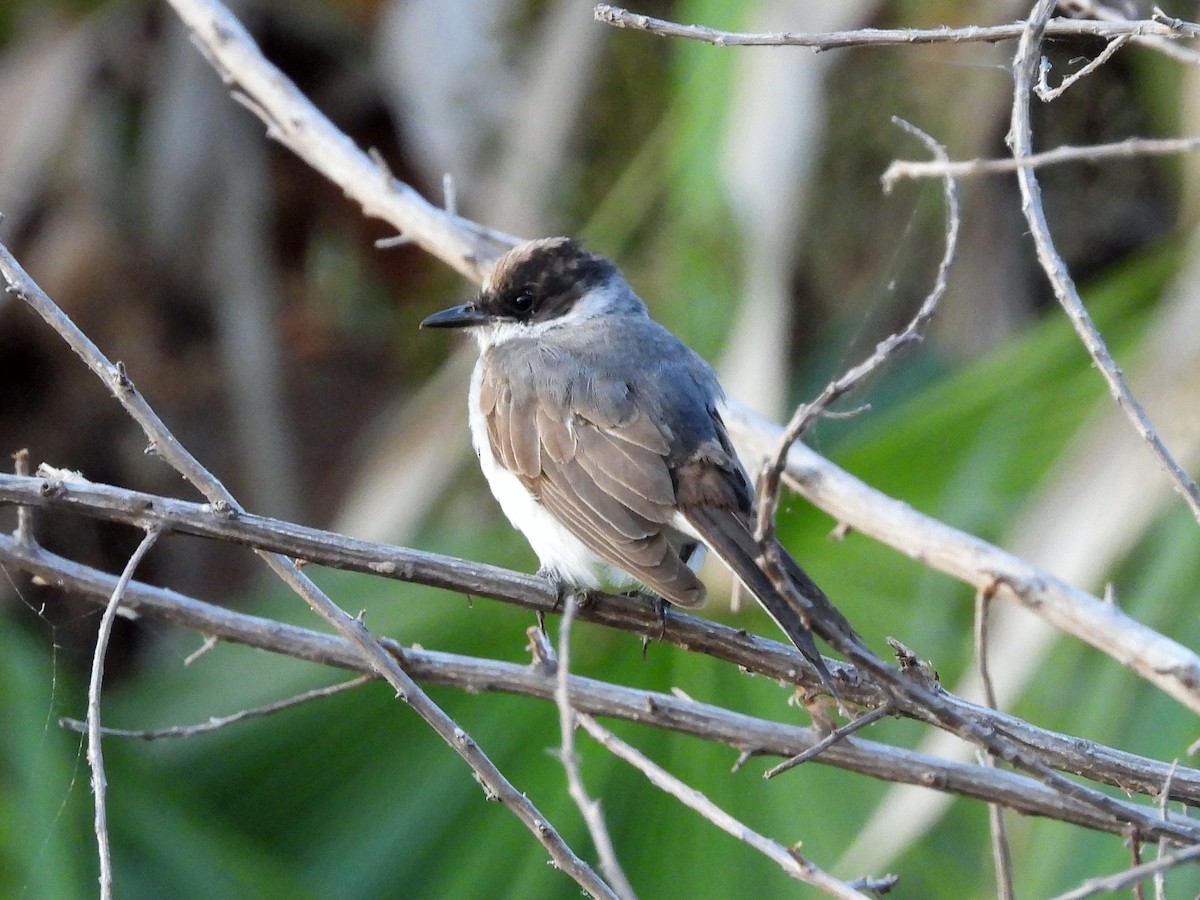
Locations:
600 435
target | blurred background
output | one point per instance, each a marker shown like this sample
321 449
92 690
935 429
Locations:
739 190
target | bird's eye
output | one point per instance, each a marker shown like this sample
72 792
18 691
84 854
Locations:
523 301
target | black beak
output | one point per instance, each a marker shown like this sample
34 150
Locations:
463 316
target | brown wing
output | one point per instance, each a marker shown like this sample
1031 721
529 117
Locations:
605 480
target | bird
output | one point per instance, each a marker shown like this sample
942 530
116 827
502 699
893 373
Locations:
600 434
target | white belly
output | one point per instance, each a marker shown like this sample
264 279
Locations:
562 555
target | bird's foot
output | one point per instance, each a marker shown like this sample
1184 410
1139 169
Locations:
659 605
563 589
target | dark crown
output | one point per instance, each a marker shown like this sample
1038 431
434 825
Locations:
543 279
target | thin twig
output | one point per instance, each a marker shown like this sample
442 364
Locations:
590 809
806 414
1160 878
1020 140
789 860
982 605
998 827
1103 12
1046 93
829 740
891 37
1130 148
1131 876
95 755
217 722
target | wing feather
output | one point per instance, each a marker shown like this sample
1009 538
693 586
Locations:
609 484
524 439
633 475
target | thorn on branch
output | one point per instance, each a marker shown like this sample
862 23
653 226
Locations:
396 240
24 532
543 658
911 664
384 169
122 377
744 757
210 641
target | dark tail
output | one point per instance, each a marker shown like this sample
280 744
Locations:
730 538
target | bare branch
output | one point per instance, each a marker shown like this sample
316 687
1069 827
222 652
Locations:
755 654
744 733
24 530
893 37
295 122
1001 852
829 740
404 564
1020 139
217 722
789 860
95 755
1129 148
1102 12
